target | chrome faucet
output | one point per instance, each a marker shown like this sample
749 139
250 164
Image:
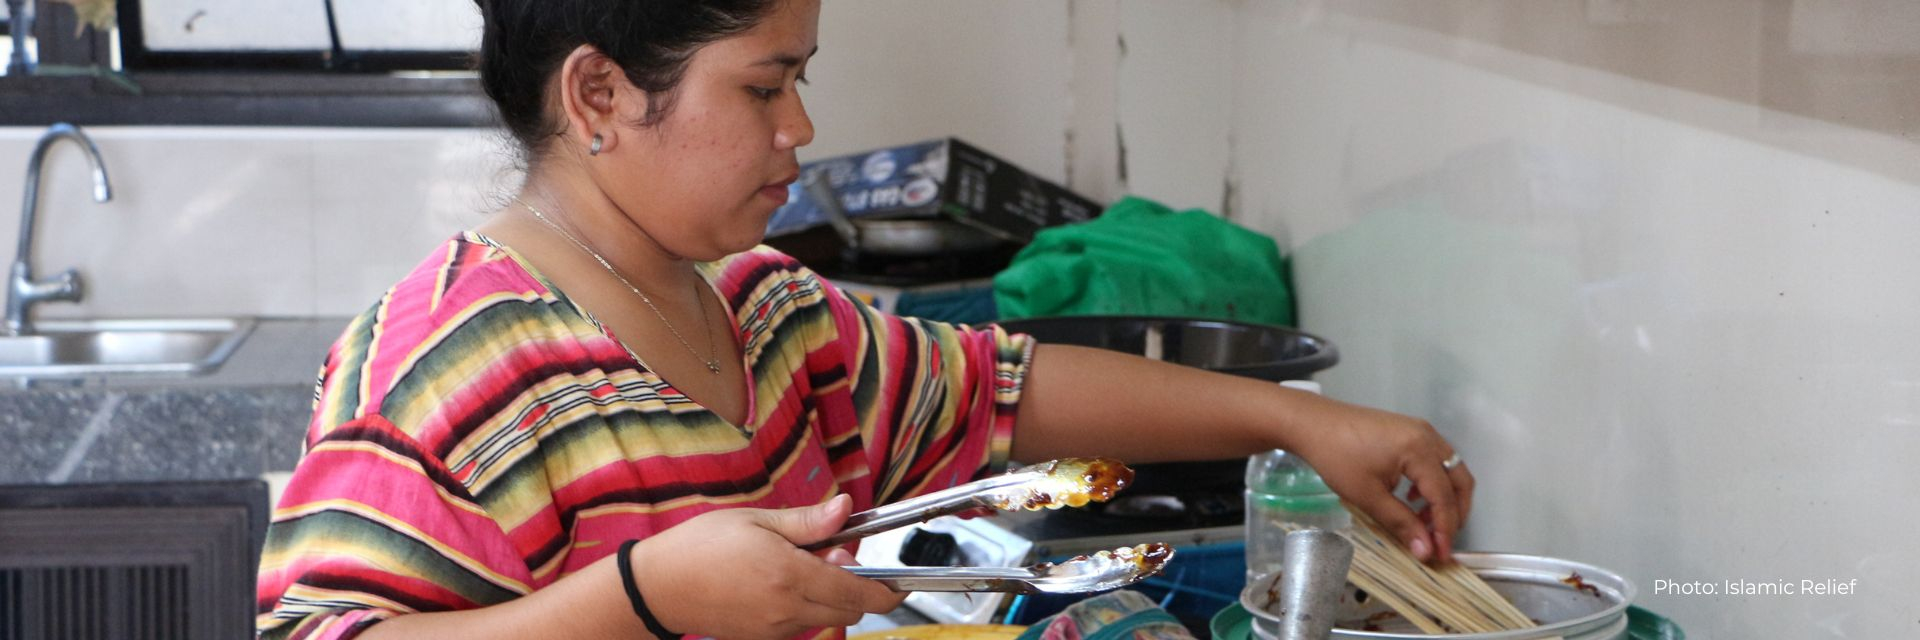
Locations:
22 290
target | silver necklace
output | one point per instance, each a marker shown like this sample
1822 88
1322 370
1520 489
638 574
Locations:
712 360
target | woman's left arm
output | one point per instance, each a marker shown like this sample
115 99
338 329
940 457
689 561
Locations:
1079 401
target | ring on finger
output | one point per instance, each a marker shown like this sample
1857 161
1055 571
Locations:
1451 462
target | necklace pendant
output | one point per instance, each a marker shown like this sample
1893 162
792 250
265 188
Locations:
713 366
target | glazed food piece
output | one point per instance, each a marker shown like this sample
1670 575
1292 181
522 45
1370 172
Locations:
1051 485
1148 559
1067 482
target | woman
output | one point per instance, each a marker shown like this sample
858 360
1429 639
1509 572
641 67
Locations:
606 413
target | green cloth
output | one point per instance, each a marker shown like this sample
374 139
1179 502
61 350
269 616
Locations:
1141 258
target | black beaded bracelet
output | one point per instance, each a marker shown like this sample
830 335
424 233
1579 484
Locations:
625 559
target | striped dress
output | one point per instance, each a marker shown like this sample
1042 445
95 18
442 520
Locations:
476 436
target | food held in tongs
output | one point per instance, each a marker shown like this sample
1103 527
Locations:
1067 482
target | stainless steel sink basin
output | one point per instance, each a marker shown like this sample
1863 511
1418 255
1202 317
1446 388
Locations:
68 349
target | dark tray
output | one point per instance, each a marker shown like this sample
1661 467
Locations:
1252 350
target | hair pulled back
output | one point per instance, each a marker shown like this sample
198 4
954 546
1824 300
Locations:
524 42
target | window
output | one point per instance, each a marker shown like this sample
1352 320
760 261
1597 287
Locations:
6 41
253 62
329 35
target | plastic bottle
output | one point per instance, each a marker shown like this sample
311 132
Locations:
1283 492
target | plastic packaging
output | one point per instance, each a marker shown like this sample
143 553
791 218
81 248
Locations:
1284 493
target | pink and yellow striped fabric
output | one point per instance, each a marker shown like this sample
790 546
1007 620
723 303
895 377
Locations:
476 437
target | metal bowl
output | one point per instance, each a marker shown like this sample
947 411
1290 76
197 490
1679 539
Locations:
1534 584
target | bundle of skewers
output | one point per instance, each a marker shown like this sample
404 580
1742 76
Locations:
1445 600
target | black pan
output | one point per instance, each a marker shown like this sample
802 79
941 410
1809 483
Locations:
1252 350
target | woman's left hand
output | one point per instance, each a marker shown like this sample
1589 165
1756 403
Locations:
1362 453
1089 402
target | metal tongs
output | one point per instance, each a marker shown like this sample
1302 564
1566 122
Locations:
1098 572
1049 485
1066 482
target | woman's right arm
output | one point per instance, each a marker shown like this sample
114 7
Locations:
590 603
733 574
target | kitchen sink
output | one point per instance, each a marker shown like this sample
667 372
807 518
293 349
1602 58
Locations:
69 349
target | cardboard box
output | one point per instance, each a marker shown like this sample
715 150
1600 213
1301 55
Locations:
944 177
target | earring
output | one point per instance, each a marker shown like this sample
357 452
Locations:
594 149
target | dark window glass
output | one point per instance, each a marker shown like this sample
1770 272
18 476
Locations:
257 63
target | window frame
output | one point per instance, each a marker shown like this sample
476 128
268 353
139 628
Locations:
357 91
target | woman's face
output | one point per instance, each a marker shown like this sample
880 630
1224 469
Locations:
703 181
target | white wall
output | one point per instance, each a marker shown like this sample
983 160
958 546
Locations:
1152 98
1651 266
993 72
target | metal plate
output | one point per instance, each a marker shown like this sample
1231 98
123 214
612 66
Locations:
1535 584
1234 623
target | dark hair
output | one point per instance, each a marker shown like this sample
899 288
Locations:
524 43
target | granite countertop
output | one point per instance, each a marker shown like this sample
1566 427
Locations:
244 420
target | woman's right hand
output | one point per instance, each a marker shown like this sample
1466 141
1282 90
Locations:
740 573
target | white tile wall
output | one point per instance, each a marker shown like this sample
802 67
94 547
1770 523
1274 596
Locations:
1093 139
1668 324
233 221
196 225
1175 100
996 73
394 198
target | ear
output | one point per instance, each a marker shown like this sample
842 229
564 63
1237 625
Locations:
591 88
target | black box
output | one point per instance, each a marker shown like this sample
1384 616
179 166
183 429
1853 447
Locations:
944 177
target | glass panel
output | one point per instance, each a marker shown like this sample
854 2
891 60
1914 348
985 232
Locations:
235 25
6 41
414 25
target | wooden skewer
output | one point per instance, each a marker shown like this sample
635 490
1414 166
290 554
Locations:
1499 608
1405 589
1429 601
1437 601
1406 610
1453 608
